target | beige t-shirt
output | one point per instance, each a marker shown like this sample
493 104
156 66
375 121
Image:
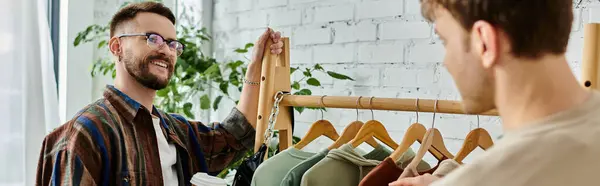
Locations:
562 149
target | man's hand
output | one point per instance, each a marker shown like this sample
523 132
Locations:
259 46
422 180
254 69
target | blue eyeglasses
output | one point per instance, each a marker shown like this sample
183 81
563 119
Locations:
155 41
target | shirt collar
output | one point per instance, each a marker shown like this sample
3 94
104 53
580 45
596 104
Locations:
127 106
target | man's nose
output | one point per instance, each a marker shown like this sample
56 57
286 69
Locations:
165 50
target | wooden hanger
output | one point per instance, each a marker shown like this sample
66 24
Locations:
350 132
478 137
429 139
317 129
373 128
415 133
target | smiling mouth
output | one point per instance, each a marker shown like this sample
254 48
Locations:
160 63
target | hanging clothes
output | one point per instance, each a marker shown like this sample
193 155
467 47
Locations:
274 169
560 149
294 176
345 166
388 171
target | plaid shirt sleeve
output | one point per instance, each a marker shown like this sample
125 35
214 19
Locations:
224 142
69 155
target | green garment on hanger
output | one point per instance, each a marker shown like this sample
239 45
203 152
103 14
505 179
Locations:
294 176
272 171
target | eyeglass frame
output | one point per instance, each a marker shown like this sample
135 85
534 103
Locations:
165 41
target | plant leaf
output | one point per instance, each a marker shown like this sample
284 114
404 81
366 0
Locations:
204 102
77 39
102 44
299 109
318 67
293 69
307 73
339 76
163 92
296 85
216 102
241 50
224 87
212 70
313 82
236 64
303 92
187 110
248 45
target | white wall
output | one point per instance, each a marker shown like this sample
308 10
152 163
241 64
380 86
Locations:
384 44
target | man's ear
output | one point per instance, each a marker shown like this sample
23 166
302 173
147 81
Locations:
485 38
114 45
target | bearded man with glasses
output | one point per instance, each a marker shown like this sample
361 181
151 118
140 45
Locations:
122 139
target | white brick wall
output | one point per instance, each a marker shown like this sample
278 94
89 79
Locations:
308 36
405 30
386 45
334 13
375 9
353 32
381 53
285 17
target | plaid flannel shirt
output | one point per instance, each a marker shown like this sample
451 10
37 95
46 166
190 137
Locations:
112 142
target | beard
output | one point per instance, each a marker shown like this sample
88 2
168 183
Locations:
139 69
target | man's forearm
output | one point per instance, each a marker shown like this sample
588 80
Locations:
248 104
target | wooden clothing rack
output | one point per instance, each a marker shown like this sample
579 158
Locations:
276 77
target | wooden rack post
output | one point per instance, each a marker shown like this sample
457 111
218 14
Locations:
275 76
591 56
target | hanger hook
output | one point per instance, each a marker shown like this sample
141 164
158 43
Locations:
371 107
322 106
357 104
477 121
417 110
434 110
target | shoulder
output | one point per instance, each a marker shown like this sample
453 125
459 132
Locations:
91 125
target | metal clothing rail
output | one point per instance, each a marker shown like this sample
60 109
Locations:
275 77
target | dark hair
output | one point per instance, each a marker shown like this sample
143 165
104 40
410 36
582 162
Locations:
131 10
534 27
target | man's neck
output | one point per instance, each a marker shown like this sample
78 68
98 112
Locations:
136 91
527 91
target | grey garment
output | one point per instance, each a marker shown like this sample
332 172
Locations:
343 166
294 176
446 167
272 171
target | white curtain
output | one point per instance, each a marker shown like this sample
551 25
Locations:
28 98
